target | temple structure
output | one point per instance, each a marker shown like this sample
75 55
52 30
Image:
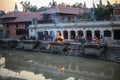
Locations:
65 20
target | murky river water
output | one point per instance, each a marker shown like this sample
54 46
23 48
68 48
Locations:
35 65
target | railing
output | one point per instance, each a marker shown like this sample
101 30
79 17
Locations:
82 23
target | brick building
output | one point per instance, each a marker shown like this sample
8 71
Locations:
15 24
66 20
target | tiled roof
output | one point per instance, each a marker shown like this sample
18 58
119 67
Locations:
11 14
27 16
22 16
64 10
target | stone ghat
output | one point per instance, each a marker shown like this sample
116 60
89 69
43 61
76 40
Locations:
98 51
8 43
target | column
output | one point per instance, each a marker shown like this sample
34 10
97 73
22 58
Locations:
61 32
84 34
69 35
102 32
76 33
93 33
102 35
36 34
112 35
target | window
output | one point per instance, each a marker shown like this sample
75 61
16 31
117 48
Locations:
65 33
69 18
16 25
20 31
34 21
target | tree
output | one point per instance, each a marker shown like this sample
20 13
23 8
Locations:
67 5
62 4
104 13
43 8
28 7
2 13
77 5
33 8
108 12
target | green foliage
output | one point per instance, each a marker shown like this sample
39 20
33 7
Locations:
43 8
28 7
0 29
77 5
2 13
103 13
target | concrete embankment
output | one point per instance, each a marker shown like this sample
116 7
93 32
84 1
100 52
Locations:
110 53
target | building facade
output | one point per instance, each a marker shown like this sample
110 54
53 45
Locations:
68 21
15 24
108 30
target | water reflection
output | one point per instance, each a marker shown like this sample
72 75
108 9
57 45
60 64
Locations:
27 75
22 74
36 65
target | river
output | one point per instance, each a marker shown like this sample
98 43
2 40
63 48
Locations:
43 66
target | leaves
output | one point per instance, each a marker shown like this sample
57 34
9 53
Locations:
104 13
28 7
2 13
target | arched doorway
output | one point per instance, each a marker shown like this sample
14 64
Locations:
107 33
117 34
52 35
65 34
80 33
40 35
89 35
72 35
46 35
46 32
97 34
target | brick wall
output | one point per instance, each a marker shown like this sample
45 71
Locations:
11 29
116 11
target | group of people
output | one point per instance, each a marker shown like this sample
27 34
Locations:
98 40
79 38
95 39
48 37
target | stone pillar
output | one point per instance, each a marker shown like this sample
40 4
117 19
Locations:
93 33
112 35
55 34
36 34
84 34
69 35
76 33
101 35
62 33
102 32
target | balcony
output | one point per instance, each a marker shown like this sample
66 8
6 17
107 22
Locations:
82 24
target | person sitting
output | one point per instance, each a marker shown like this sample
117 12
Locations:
78 38
59 38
